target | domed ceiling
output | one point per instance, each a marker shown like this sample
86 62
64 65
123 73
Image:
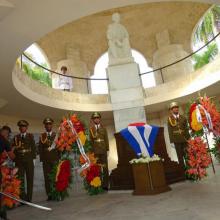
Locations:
143 22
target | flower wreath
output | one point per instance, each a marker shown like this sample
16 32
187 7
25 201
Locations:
10 184
72 137
203 119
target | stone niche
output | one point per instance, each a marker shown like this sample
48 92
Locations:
168 53
76 67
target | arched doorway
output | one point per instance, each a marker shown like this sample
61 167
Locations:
101 86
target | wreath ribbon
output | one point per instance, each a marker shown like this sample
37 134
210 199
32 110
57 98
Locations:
81 148
207 115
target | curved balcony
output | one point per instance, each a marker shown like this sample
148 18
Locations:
42 94
206 79
157 97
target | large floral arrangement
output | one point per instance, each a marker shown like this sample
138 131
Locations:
204 118
198 159
10 184
72 133
92 175
61 175
211 108
203 113
61 179
66 137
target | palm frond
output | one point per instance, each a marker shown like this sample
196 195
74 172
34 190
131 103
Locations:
206 57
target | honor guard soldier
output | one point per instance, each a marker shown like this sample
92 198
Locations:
48 154
178 132
100 145
25 154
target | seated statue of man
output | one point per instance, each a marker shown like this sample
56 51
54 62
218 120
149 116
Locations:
118 42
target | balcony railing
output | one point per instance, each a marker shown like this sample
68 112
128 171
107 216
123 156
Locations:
87 80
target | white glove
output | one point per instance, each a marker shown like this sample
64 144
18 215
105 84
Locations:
172 145
34 161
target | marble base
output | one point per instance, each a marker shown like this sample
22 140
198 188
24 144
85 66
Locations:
126 94
124 117
119 61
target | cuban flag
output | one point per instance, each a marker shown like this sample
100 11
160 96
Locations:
141 137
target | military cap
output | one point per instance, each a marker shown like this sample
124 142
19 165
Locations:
173 104
22 123
48 121
96 115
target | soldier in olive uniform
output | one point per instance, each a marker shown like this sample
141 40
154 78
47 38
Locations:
25 153
178 132
48 155
100 145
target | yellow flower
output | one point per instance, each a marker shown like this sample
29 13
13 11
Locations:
82 137
196 126
58 169
96 182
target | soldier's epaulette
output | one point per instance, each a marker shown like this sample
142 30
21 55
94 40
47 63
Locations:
172 121
30 135
17 135
44 134
43 138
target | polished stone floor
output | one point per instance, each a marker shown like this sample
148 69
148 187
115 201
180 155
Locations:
186 201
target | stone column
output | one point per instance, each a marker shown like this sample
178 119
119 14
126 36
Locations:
126 94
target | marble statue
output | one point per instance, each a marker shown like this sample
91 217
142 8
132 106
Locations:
118 41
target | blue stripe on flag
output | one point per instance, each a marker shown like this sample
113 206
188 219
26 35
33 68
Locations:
131 140
141 132
152 138
135 145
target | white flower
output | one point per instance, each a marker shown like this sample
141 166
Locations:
146 159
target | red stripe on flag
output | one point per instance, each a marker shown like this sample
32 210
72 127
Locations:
137 124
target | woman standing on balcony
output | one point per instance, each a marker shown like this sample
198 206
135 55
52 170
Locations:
65 83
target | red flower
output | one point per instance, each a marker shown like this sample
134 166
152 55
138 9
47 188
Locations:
78 126
210 107
66 137
198 158
63 176
93 172
10 184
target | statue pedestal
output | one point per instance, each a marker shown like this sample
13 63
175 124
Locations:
120 61
126 94
121 178
149 178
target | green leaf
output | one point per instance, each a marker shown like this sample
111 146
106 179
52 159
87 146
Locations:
37 73
206 57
